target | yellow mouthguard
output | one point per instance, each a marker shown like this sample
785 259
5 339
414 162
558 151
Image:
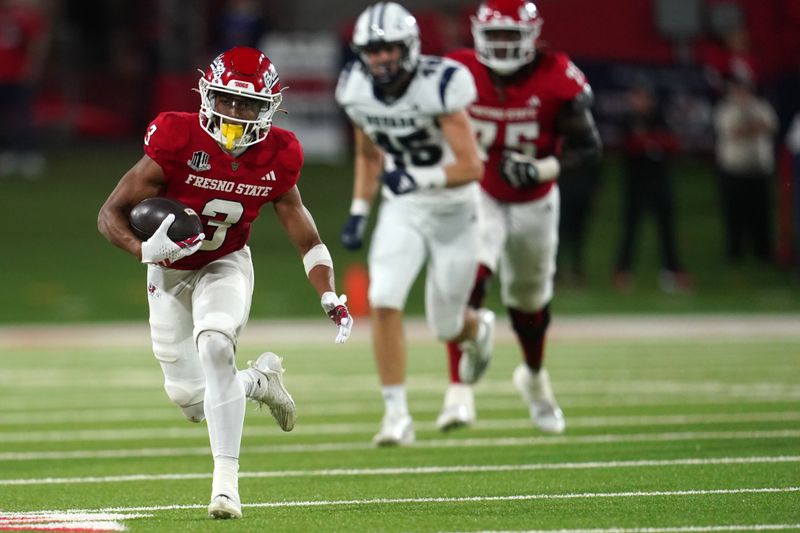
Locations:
232 133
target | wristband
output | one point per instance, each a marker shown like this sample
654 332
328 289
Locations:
548 167
359 207
318 255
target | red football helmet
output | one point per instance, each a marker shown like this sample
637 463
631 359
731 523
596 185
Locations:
517 25
245 72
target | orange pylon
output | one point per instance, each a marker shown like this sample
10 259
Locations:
356 287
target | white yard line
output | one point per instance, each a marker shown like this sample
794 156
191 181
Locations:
25 410
186 431
611 327
677 529
588 465
466 499
433 444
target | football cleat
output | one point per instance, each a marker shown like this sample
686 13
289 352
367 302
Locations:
223 507
477 354
269 389
396 430
537 393
459 408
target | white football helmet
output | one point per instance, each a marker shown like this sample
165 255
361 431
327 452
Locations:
519 17
387 23
246 72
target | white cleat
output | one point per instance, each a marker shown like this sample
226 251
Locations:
223 507
395 431
537 393
269 389
477 354
459 408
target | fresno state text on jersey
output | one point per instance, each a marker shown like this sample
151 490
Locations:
227 192
520 116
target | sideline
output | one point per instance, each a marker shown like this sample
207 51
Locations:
572 328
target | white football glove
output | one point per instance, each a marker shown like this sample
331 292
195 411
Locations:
521 170
336 309
161 250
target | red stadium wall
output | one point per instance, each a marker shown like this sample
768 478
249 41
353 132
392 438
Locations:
625 30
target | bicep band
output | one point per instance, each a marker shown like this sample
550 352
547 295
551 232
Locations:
318 255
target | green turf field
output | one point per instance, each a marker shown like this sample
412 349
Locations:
59 268
671 428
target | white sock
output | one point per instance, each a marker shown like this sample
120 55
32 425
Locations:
248 378
394 399
226 477
224 402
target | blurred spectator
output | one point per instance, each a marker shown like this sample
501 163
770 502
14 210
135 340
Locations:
578 191
745 126
733 57
647 185
23 47
793 144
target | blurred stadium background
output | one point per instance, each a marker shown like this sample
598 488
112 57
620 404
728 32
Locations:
108 66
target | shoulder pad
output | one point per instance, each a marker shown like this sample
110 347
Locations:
451 81
290 152
167 133
349 80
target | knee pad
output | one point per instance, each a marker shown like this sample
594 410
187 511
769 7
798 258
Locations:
187 395
194 413
216 322
215 348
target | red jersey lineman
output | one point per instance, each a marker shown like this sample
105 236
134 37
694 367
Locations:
225 162
533 122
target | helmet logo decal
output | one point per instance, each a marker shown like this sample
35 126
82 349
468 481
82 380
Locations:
270 77
217 69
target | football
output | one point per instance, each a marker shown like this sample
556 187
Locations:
147 215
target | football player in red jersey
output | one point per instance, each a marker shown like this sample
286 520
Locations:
225 163
533 121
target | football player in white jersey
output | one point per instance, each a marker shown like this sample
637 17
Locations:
413 136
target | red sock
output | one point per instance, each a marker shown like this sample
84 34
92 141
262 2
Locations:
530 329
453 357
476 299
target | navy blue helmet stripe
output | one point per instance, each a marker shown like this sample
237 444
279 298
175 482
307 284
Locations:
448 73
382 7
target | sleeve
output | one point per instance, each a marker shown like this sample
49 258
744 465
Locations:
164 136
343 83
456 87
291 157
570 83
346 90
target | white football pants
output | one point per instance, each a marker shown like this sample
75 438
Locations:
519 241
183 304
407 234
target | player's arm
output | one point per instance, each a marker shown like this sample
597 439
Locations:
468 166
144 180
368 165
302 231
581 145
576 126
